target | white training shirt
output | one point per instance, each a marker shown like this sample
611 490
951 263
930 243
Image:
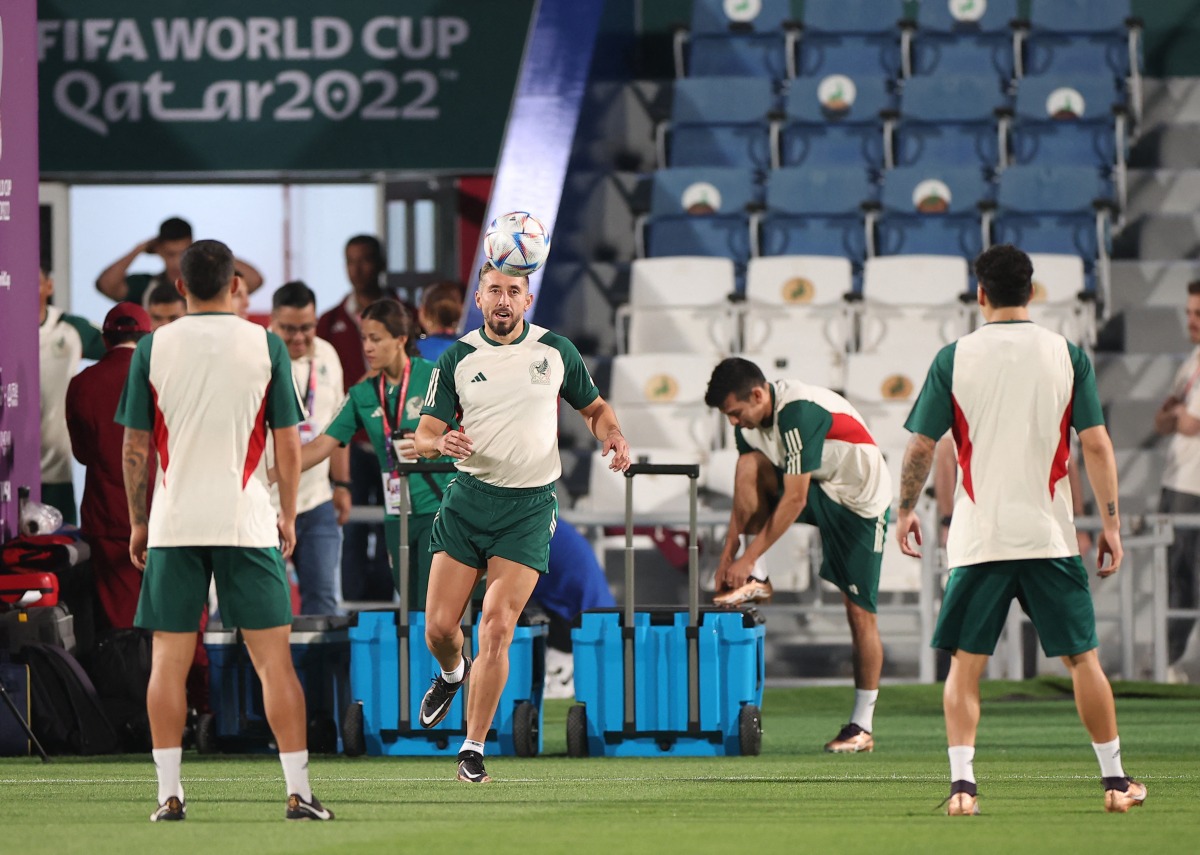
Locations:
63 341
1182 472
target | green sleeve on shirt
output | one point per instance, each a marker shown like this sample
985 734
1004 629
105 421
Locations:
577 388
283 402
802 428
93 341
136 408
933 413
740 443
136 286
441 396
346 422
1085 399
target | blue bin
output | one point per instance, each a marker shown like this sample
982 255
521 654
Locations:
731 670
238 722
374 676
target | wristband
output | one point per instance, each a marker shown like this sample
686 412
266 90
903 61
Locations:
946 520
345 485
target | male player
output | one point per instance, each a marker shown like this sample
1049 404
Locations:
1011 391
207 387
500 511
805 455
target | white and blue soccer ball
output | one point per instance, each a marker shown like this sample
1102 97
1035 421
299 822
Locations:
517 243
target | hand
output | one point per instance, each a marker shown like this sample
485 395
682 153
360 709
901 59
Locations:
272 476
406 448
287 535
615 442
342 504
737 573
1110 545
150 247
721 580
1084 539
456 444
137 545
907 522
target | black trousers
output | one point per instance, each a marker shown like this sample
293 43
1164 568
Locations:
1183 569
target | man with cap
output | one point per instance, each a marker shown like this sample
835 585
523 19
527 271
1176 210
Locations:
96 442
174 237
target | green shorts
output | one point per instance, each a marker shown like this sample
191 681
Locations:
851 546
420 526
252 587
478 521
1052 591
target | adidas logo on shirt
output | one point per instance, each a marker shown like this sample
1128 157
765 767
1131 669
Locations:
478 378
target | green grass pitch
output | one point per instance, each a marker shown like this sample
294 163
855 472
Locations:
1038 783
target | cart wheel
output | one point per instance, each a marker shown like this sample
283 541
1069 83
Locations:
525 730
206 734
353 744
577 741
750 730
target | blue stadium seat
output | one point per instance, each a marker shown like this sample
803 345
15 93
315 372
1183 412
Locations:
696 211
1052 209
1080 37
816 212
931 210
1067 121
834 121
851 36
964 37
743 44
949 120
719 121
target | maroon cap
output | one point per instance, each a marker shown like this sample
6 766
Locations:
127 317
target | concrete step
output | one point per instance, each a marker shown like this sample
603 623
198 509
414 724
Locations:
1162 191
1152 283
1135 377
1149 330
1174 146
1160 237
1170 100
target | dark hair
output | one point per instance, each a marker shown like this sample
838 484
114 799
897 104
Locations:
293 295
163 293
1006 276
373 244
1193 287
116 337
733 376
443 302
207 268
396 319
488 267
175 228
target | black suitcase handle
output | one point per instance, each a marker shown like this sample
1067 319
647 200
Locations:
691 470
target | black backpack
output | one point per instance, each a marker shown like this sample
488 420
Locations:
67 717
120 671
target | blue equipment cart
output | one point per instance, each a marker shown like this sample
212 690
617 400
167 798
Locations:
666 681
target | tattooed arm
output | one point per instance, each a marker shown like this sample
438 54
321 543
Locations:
918 458
1101 466
136 467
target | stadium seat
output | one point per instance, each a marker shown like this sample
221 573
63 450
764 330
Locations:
660 397
1059 300
697 211
1081 37
745 40
913 305
894 377
718 121
930 210
950 121
678 305
654 493
796 320
964 37
851 37
833 120
815 212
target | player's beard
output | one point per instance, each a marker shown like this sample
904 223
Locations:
501 327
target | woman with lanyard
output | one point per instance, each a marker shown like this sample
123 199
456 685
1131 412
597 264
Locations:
387 405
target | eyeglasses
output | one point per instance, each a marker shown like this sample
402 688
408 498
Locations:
290 329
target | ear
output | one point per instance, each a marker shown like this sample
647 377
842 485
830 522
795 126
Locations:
980 296
181 288
478 299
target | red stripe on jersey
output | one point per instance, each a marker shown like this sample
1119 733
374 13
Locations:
258 440
962 438
1058 468
160 434
849 429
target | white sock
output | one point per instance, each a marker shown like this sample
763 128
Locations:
468 745
295 773
456 675
166 763
1109 755
759 570
962 763
864 708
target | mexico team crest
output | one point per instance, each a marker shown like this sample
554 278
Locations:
539 372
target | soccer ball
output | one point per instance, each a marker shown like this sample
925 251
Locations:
516 244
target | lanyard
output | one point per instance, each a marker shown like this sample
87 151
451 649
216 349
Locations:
311 399
388 428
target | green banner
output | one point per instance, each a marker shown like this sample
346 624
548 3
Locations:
270 86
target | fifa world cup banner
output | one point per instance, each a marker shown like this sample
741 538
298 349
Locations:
130 86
